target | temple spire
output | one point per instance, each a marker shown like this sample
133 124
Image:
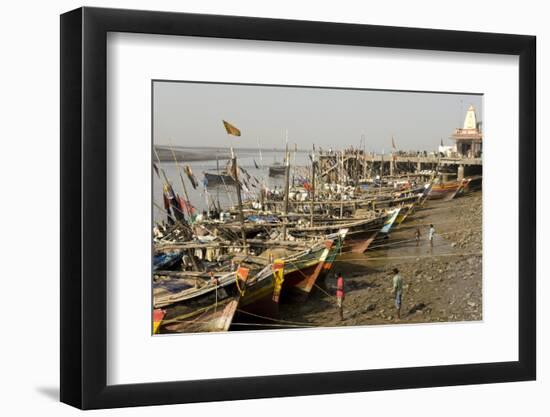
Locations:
470 121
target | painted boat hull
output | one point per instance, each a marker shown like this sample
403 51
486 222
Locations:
404 213
215 318
335 251
444 191
166 260
390 222
262 294
359 243
258 299
158 316
300 282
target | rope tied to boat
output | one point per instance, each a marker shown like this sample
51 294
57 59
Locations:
241 291
295 323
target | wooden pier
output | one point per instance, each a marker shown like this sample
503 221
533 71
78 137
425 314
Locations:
357 165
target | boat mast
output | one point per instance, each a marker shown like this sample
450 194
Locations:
294 164
287 180
187 201
312 185
342 185
218 188
186 227
263 186
381 170
364 157
239 199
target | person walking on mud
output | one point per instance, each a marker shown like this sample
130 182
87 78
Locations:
417 236
431 234
397 291
340 294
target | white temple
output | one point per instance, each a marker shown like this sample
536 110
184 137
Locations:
469 138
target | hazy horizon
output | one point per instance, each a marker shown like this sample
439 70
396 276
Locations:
190 114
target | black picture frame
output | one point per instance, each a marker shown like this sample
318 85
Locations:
84 207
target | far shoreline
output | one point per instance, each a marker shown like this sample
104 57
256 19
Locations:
197 154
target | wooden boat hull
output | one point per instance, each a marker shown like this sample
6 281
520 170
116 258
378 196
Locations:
276 171
206 307
214 318
359 232
218 179
360 244
158 315
404 213
390 221
335 251
445 190
299 274
166 260
258 299
300 281
453 189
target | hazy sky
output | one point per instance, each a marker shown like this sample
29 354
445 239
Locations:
190 114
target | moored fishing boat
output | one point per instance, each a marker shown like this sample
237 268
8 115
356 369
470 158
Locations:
359 240
291 271
276 170
444 190
195 302
335 251
360 232
214 179
217 318
300 278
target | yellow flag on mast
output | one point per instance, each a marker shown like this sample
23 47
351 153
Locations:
231 130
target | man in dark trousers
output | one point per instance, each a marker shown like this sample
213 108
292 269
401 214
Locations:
397 290
340 294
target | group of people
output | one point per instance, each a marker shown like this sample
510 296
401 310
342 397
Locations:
397 280
431 235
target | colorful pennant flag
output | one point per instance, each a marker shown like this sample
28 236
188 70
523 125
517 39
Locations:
231 130
192 179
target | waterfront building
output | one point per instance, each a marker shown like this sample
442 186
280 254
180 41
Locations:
469 138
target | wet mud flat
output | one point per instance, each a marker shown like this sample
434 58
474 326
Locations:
442 283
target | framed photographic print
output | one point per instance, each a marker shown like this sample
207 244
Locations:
258 207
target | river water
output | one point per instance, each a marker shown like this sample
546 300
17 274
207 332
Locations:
226 195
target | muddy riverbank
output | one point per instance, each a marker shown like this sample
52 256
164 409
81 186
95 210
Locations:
441 283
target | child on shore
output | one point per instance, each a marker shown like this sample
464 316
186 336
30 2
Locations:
417 236
340 295
431 234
